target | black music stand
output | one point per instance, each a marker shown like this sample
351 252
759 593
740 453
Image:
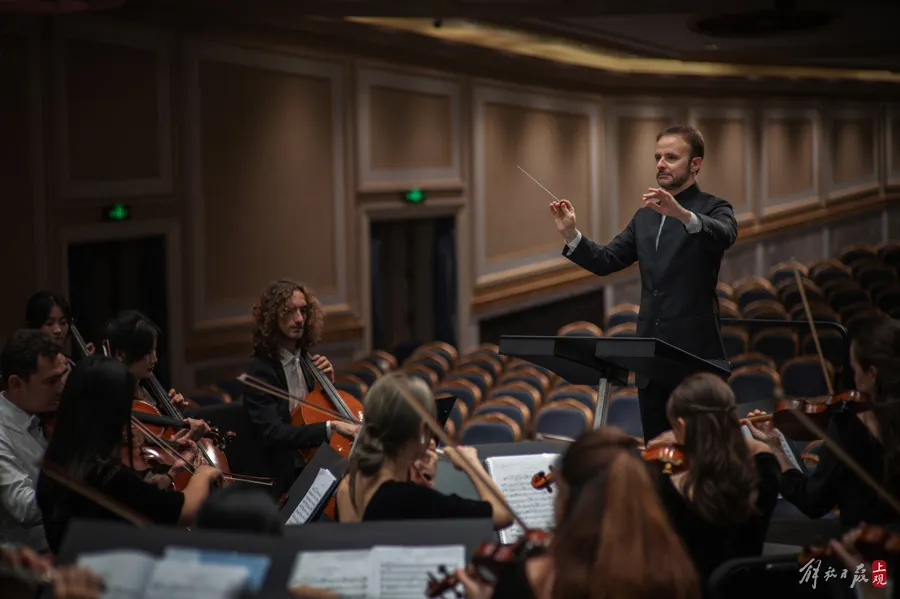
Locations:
327 458
87 536
608 360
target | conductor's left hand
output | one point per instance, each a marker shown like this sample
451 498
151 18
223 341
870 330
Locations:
663 202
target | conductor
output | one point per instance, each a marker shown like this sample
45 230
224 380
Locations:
678 239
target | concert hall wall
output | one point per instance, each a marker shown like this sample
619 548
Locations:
259 154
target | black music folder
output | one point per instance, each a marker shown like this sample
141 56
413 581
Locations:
306 499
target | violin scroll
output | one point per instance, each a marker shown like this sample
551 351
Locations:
542 480
669 458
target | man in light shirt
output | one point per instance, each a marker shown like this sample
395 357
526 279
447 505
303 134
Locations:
34 370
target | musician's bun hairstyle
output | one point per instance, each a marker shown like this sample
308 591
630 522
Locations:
722 479
878 345
390 423
613 538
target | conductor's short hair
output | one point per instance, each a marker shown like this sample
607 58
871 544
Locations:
689 134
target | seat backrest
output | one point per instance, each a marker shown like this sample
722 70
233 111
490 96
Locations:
625 412
562 420
489 428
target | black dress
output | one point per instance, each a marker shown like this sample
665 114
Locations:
395 500
513 583
59 505
711 545
833 484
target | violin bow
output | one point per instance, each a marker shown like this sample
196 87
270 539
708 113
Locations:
119 509
265 387
809 424
441 434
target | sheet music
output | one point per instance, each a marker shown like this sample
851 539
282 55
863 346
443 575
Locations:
788 451
173 579
346 573
125 573
513 475
402 572
256 565
320 488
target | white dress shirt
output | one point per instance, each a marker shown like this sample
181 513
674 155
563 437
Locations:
693 226
295 378
22 446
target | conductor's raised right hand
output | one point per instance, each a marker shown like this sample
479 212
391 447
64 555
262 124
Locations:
564 214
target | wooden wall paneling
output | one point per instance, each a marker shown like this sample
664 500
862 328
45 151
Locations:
519 113
862 228
791 140
892 149
624 185
110 89
266 209
852 151
408 131
729 166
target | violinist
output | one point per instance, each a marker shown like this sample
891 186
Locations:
721 504
50 312
288 322
870 437
393 437
35 373
93 423
133 340
612 538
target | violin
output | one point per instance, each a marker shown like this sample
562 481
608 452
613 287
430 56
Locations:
818 409
542 481
670 459
491 560
875 542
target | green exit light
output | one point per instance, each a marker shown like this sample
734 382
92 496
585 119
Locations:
117 212
414 195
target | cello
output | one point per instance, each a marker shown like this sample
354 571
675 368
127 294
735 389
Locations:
328 399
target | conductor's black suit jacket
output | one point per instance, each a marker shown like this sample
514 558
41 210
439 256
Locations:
269 418
678 279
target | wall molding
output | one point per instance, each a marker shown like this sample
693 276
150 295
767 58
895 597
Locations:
698 112
806 198
869 182
614 113
238 313
170 229
892 113
36 121
482 93
115 34
373 179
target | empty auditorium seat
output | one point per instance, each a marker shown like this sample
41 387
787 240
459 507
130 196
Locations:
736 340
622 313
803 377
780 344
854 254
563 419
754 383
625 412
489 428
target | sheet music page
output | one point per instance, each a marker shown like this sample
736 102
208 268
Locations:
257 565
125 573
513 475
320 488
402 572
173 579
788 451
346 573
